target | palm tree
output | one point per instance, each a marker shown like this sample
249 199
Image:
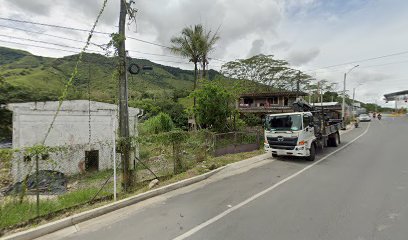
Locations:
206 46
189 44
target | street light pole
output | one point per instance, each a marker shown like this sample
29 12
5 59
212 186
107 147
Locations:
344 94
343 105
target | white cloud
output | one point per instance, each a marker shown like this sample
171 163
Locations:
257 47
301 57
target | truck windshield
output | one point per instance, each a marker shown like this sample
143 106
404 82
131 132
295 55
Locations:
284 123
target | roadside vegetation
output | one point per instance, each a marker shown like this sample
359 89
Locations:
18 215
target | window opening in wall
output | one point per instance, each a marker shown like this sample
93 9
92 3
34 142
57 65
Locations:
285 101
248 101
92 160
273 101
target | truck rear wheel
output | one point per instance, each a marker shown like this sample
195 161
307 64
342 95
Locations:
336 140
312 153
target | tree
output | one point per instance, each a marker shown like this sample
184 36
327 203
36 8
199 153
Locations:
324 87
189 45
215 104
206 46
264 69
158 124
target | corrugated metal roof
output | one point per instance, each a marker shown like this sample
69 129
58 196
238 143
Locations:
273 94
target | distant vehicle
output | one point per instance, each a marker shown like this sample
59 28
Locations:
364 118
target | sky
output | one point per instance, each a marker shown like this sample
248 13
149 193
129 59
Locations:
311 35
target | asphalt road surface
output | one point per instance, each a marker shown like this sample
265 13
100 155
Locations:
356 191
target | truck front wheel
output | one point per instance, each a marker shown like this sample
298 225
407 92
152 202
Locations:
312 153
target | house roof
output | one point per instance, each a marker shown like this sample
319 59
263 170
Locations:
72 105
273 94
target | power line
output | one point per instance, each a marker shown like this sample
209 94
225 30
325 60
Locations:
78 29
368 66
52 25
168 61
361 60
76 52
81 30
66 46
152 43
155 54
46 34
44 42
32 45
385 64
70 39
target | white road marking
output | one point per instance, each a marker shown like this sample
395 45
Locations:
236 207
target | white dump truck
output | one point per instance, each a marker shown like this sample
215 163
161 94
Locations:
301 132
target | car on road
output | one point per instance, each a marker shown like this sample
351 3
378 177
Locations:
364 118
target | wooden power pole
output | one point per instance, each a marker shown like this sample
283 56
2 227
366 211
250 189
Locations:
127 178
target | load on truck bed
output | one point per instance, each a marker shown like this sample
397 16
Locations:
301 133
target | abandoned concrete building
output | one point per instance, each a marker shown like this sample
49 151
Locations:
83 129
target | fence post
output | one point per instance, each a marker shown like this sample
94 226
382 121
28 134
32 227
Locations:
37 186
235 142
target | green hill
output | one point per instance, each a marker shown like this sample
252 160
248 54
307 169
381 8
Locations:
26 77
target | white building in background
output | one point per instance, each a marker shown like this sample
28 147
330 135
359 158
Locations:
84 129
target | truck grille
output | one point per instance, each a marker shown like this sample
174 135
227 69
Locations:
282 147
282 141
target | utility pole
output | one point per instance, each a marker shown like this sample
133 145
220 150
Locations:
127 178
354 93
344 94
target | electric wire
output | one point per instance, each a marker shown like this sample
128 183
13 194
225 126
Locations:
84 30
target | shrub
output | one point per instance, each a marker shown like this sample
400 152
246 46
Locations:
158 124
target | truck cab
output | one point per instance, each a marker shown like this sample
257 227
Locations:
290 134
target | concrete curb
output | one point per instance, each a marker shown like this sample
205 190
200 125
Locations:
81 217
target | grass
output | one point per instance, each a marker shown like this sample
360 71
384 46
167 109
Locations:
12 212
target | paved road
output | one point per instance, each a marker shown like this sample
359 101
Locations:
358 191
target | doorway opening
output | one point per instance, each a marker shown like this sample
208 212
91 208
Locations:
92 160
